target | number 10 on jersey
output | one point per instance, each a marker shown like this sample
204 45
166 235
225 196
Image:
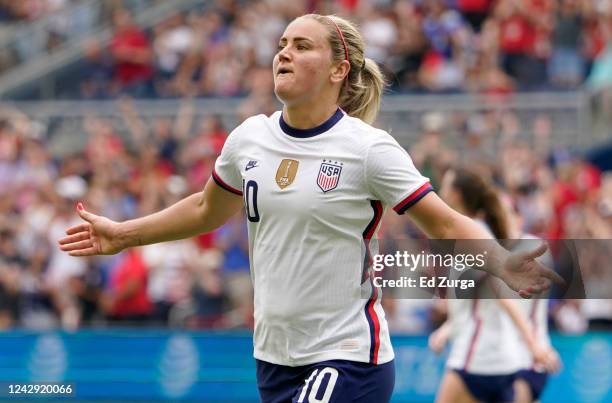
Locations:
250 201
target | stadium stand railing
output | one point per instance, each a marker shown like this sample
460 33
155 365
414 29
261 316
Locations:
567 114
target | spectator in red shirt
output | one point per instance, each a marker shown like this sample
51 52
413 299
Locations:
202 150
127 298
475 12
523 34
132 55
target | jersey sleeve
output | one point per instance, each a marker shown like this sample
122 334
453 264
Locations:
227 169
391 175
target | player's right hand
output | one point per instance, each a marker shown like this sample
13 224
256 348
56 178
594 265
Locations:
526 275
97 236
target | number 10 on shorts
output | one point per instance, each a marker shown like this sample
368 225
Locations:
318 377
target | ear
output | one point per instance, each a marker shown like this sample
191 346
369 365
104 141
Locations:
339 71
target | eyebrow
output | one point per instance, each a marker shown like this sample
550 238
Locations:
296 39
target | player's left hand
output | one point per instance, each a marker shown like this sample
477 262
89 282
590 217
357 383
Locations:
525 275
546 359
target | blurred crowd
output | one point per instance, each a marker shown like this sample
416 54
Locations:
481 46
32 28
19 37
28 10
204 283
224 50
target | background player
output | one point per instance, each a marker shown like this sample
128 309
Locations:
483 360
314 179
532 377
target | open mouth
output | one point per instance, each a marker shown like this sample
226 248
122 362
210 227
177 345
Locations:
283 70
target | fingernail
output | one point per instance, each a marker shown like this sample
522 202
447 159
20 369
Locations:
80 206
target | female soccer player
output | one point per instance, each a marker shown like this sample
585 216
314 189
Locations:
314 179
487 351
531 379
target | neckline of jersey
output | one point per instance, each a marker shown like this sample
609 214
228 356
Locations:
313 131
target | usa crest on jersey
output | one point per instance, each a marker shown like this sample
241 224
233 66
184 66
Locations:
329 175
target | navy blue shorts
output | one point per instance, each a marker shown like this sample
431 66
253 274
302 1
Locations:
328 381
489 388
535 380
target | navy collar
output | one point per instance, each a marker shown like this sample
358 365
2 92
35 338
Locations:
313 131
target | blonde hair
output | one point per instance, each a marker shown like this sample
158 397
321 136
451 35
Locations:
361 94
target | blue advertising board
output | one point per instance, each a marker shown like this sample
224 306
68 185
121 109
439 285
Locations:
150 365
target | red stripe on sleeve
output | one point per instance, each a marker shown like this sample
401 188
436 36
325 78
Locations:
412 198
224 185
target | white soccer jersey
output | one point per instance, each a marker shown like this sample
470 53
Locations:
483 338
313 198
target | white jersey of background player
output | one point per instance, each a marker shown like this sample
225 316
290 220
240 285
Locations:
313 302
538 356
483 359
535 310
486 339
483 338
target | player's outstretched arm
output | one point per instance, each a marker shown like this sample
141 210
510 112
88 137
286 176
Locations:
520 271
195 214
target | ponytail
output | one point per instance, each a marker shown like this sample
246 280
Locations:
480 197
361 94
494 214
